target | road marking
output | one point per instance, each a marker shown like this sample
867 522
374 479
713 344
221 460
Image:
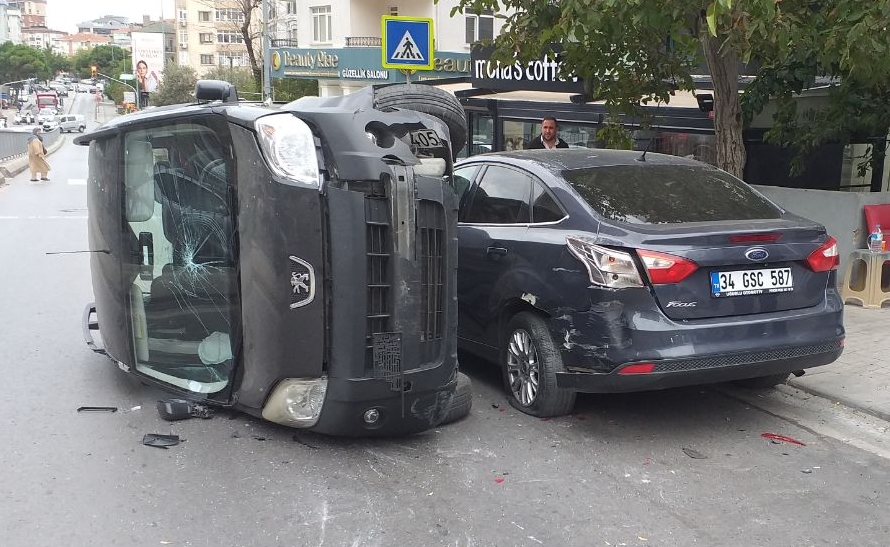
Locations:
77 182
46 217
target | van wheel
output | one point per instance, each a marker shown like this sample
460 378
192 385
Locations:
763 382
462 401
529 362
428 100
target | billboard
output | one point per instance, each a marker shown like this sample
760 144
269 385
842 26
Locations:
148 60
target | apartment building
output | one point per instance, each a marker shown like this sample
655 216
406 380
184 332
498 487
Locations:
33 12
338 42
208 34
10 23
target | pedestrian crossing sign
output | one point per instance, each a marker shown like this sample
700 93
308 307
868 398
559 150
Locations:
407 43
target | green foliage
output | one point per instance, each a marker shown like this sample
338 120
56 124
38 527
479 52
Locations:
177 86
614 135
630 53
19 62
241 77
291 89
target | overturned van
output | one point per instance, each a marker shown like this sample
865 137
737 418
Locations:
297 263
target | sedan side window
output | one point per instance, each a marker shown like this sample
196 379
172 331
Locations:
461 180
544 207
501 198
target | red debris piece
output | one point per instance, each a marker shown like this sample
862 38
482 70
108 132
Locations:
783 438
499 480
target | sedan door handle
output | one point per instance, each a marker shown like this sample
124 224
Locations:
495 253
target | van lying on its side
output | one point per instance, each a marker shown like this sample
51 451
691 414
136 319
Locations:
72 122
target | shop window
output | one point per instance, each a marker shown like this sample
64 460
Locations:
480 27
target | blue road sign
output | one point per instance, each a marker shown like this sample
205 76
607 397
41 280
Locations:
407 43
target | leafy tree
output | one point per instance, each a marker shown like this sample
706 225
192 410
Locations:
242 77
177 86
247 24
291 89
20 62
635 52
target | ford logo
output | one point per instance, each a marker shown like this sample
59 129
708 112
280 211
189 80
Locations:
756 253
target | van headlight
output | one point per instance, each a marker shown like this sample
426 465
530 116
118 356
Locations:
288 145
296 402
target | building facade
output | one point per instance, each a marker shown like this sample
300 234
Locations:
208 34
33 12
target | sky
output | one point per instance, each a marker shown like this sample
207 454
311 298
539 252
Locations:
64 15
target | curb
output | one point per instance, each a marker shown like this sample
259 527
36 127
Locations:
833 397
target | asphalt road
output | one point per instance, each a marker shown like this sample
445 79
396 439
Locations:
676 468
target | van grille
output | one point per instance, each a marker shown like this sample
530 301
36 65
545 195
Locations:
430 226
379 250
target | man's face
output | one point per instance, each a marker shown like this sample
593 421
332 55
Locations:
548 130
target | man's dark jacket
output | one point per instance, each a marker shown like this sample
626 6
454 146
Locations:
537 143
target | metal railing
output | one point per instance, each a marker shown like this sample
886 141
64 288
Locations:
14 142
363 41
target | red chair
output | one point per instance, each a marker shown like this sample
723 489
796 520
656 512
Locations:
877 214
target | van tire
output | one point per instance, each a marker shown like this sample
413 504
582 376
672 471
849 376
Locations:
427 100
462 401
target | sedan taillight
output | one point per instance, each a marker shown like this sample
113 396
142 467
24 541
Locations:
664 269
825 258
606 267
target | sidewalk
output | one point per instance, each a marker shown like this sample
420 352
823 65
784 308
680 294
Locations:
860 379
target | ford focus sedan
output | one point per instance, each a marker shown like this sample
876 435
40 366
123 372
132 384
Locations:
613 271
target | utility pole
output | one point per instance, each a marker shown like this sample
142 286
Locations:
267 51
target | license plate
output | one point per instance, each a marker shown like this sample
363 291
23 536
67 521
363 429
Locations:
750 282
424 138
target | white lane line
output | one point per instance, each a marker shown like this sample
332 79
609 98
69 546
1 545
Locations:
48 217
77 182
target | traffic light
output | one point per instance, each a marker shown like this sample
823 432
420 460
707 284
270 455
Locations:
94 70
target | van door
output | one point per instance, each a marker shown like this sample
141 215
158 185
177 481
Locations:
184 300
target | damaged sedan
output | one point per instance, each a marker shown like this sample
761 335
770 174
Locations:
614 271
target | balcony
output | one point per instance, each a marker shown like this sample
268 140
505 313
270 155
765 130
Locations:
284 42
363 41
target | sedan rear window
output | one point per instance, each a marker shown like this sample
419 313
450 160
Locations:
664 194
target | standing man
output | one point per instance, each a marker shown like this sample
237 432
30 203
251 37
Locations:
37 157
548 139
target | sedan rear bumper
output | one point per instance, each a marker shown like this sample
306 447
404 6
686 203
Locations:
704 370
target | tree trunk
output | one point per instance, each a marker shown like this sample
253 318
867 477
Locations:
724 68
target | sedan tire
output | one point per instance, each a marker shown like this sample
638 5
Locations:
530 361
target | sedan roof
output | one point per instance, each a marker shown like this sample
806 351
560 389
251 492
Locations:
579 158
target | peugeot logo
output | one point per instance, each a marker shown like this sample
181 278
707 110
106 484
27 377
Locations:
302 282
757 254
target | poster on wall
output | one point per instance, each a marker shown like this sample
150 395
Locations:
148 60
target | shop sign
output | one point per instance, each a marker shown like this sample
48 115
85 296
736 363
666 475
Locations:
542 74
356 64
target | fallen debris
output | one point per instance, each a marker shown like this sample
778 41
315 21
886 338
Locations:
694 454
181 409
159 440
97 409
782 438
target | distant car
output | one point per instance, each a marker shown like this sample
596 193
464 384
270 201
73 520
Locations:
46 114
603 271
50 125
71 123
